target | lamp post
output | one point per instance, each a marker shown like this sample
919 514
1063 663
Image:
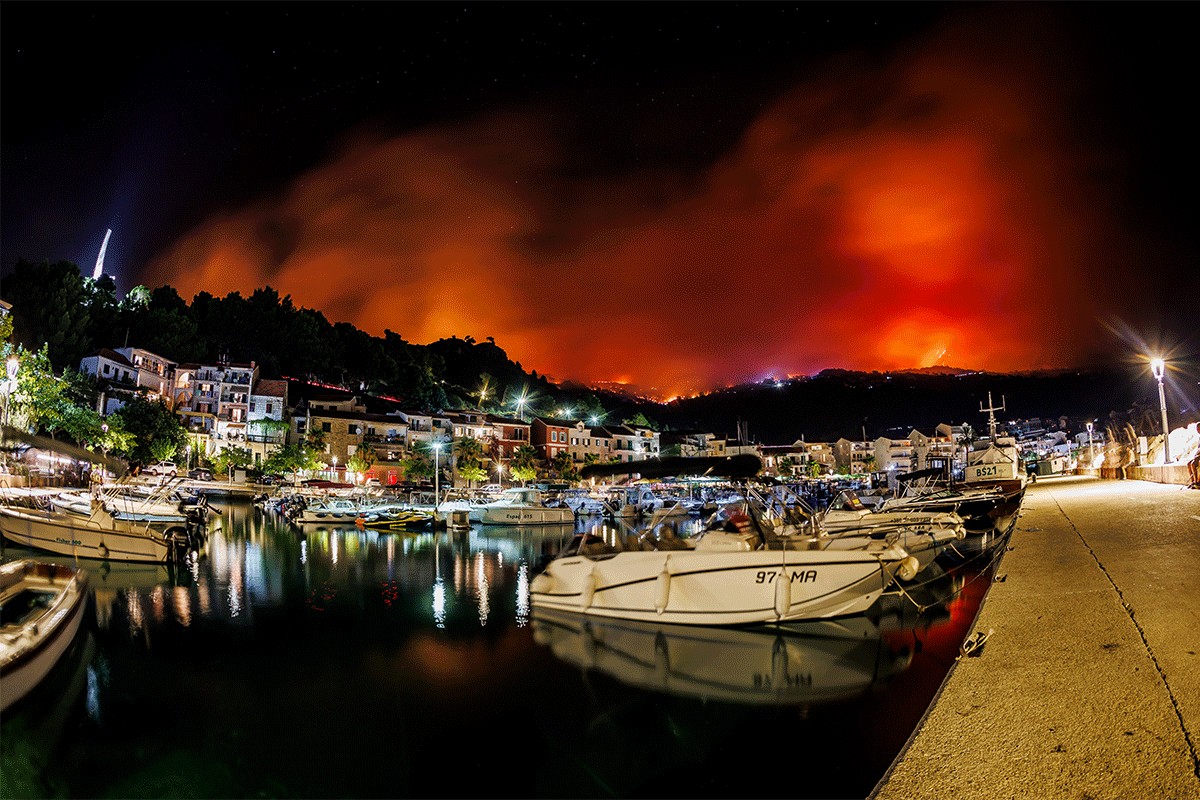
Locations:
335 468
1091 457
500 474
437 451
1159 367
10 385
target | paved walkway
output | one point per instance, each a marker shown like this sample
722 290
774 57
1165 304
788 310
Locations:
1089 684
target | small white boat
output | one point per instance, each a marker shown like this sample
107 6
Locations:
763 560
720 578
98 536
329 511
521 506
43 605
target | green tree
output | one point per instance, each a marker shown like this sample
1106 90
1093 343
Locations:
51 307
361 461
787 466
563 467
815 469
41 399
468 459
230 458
639 419
151 421
291 459
967 438
523 466
418 464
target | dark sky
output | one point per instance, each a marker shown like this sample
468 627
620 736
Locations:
677 194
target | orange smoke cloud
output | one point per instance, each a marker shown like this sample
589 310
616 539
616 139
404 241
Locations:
931 210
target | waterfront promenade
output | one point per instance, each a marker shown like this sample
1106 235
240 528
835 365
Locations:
1089 684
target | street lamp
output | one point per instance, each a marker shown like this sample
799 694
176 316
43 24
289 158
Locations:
1091 458
437 450
1159 367
500 474
335 468
10 385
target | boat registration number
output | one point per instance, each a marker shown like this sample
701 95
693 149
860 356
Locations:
72 542
987 472
769 575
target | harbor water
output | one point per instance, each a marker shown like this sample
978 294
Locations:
337 662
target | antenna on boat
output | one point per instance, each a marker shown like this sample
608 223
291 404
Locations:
991 412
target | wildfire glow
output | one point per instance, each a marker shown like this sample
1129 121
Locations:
931 210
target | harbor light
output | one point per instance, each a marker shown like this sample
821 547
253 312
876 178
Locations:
1158 367
437 450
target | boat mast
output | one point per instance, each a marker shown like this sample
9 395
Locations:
991 412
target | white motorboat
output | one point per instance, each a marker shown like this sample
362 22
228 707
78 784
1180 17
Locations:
720 578
781 664
30 519
523 506
756 563
43 605
328 511
924 534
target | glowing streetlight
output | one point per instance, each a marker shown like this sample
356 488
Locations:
594 420
10 385
1090 456
1159 368
499 473
335 468
437 450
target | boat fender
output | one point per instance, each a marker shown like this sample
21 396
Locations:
542 584
783 595
102 550
662 587
587 591
909 568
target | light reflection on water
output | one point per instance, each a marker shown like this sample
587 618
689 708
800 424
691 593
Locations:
312 642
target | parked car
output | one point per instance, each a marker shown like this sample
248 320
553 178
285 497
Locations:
167 468
200 474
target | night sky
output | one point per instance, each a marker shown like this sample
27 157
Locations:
678 195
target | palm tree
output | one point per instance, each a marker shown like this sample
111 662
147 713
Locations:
967 438
523 466
468 459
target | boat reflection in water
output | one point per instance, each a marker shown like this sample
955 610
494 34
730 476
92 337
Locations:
800 662
789 663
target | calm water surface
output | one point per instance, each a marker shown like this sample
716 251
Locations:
332 662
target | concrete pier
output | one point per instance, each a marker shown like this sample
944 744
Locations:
1088 685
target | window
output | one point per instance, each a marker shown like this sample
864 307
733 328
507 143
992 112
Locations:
269 407
252 405
326 427
106 369
351 428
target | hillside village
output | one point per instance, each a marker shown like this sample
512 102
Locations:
370 438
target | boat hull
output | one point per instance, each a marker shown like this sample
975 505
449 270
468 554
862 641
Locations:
31 648
691 587
526 516
68 535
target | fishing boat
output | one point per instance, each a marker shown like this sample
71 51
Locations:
523 506
753 564
43 605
